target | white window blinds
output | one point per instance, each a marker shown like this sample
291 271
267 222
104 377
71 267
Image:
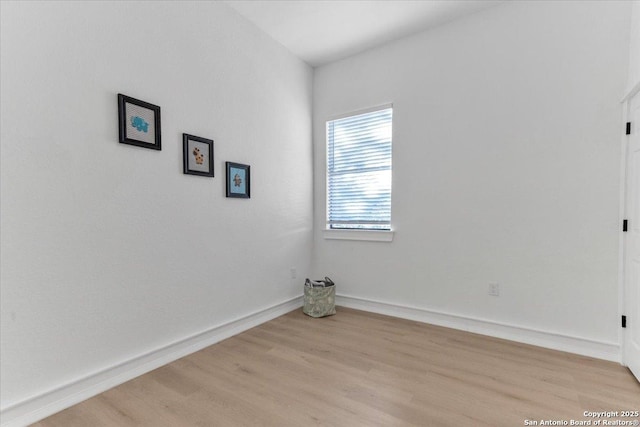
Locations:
359 171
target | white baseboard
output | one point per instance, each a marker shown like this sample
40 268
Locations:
583 346
41 406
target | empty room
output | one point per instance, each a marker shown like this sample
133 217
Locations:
322 212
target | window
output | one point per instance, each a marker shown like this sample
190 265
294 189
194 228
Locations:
359 171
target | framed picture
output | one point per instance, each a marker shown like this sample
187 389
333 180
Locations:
139 122
198 155
238 180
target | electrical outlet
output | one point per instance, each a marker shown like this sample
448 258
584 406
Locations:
494 289
294 273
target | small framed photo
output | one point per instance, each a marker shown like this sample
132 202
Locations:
139 123
198 155
238 180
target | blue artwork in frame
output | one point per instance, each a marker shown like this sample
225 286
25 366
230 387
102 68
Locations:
138 123
238 180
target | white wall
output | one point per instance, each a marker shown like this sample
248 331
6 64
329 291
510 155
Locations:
634 46
108 251
506 162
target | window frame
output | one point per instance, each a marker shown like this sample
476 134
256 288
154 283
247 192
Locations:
377 235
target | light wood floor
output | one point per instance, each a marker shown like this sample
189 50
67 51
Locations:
361 369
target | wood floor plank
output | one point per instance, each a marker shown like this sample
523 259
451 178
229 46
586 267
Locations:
361 369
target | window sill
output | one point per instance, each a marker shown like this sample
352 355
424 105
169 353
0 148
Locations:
363 235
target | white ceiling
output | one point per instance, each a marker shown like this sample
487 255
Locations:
322 31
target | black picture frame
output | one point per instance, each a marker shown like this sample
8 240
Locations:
197 155
238 180
139 123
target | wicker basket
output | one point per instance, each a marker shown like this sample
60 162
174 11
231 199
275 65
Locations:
319 298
